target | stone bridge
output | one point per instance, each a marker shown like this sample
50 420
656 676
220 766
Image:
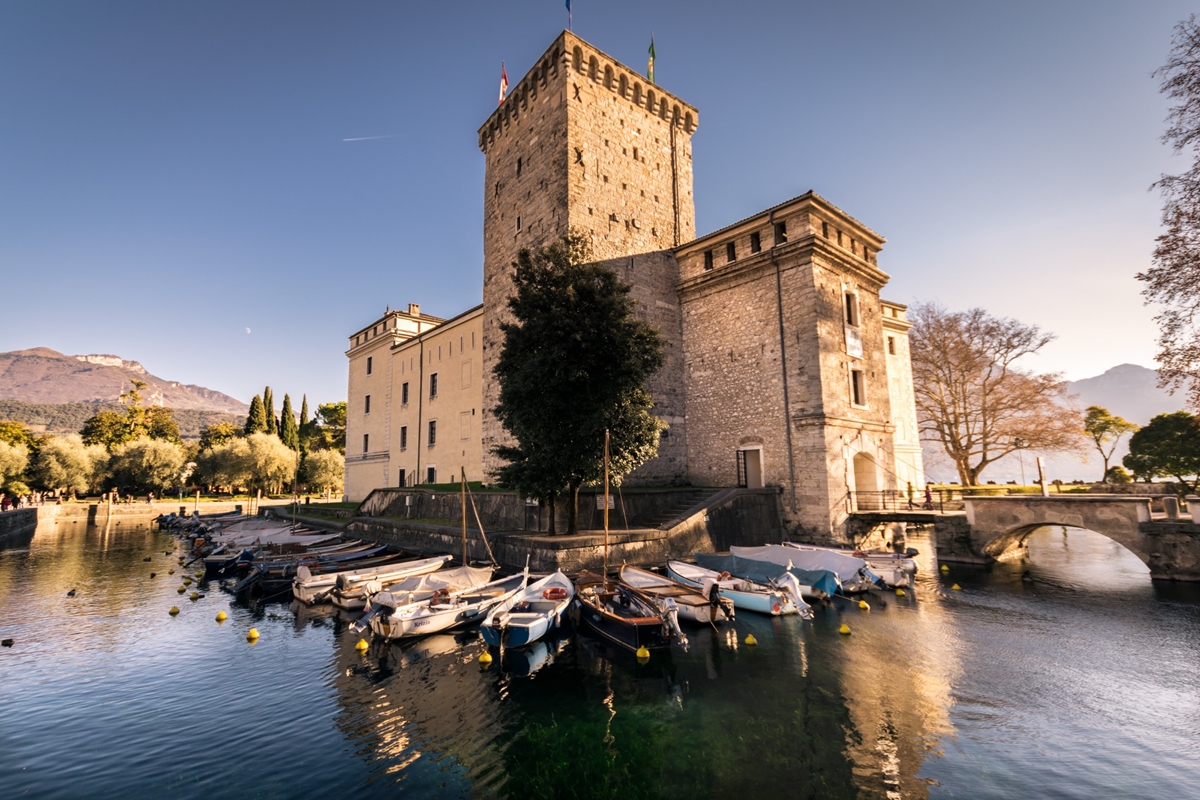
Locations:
996 529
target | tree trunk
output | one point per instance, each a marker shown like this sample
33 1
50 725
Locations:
573 510
553 502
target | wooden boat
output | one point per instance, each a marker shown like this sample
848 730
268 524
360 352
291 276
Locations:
268 579
310 588
529 614
693 604
442 612
622 615
746 594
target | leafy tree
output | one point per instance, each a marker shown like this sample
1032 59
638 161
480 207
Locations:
16 433
66 464
574 363
325 469
160 424
112 428
272 463
147 464
256 420
1172 280
305 424
289 432
217 434
14 458
1139 466
330 427
269 410
108 429
226 464
974 401
1168 447
1105 430
1117 474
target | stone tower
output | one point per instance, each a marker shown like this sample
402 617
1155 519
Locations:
584 143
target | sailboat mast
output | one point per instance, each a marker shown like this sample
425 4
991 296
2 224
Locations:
464 515
606 504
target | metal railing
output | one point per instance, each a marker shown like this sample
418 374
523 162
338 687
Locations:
900 500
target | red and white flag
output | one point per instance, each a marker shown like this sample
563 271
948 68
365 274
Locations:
503 83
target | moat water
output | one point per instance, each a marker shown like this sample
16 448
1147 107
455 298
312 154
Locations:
1071 675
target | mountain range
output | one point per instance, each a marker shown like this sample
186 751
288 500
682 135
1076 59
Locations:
45 376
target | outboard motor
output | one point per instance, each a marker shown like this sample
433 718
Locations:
790 586
670 618
382 605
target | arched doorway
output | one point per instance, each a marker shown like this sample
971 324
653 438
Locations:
866 482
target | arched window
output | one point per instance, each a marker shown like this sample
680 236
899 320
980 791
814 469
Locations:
688 124
623 86
662 109
637 94
608 77
593 68
675 115
577 57
650 102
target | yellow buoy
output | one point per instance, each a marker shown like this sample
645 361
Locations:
362 646
194 596
899 593
222 616
863 605
171 571
181 589
642 652
174 610
944 568
485 658
750 641
956 588
187 581
252 634
844 630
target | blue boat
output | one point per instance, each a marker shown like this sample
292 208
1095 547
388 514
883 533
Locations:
529 614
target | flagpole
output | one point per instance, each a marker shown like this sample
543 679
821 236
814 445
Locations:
569 19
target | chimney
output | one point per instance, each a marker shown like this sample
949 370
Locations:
414 309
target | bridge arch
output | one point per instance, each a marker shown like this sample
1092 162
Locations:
999 526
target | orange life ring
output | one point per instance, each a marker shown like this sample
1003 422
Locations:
724 576
555 593
438 596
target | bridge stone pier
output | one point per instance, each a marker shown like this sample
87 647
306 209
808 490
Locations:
997 528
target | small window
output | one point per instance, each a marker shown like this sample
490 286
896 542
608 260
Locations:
432 432
858 388
403 477
367 404
851 309
866 253
518 166
403 437
708 259
431 474
825 229
433 385
366 442
518 223
891 345
730 252
369 364
635 154
839 233
404 393
780 233
755 243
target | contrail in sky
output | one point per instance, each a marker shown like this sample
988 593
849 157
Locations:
368 138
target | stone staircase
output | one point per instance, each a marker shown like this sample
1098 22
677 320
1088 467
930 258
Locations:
682 508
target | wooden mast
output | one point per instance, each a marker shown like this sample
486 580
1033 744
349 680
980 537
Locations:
606 505
464 515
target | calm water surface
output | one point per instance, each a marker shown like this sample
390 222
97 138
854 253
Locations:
1079 678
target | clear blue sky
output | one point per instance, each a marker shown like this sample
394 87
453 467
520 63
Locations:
175 173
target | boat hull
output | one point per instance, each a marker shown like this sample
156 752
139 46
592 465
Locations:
630 634
772 603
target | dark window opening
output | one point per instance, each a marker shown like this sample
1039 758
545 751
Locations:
369 358
858 389
518 222
518 167
825 229
851 309
755 243
403 477
433 385
367 404
708 259
403 437
780 233
432 432
839 233
366 442
404 393
430 475
891 345
730 252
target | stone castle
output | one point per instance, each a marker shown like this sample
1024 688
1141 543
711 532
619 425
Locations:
784 367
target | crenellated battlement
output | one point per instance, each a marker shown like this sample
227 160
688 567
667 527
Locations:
571 55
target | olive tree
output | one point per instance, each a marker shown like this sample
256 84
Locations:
325 469
65 464
151 464
14 458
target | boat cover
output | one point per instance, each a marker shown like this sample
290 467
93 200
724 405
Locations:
454 580
765 571
844 566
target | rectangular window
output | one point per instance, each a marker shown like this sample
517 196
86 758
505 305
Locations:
780 233
464 379
404 393
431 474
433 385
366 442
367 404
518 223
432 432
464 426
403 477
369 364
755 243
730 252
403 437
839 233
858 388
825 229
891 345
852 309
518 166
708 260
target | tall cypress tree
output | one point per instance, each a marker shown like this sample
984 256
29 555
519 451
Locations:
289 433
269 407
256 420
305 424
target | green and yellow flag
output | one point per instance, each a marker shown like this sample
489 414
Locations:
650 66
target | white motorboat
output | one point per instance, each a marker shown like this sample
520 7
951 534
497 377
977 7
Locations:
311 589
694 605
745 594
529 614
443 611
853 574
895 569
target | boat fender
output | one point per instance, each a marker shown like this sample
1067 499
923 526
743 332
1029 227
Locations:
724 576
555 593
438 596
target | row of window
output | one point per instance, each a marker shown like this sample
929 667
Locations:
430 476
779 231
461 343
866 251
404 437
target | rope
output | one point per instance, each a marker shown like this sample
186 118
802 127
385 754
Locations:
482 535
